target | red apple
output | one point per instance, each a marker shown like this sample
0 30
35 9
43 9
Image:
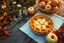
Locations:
31 10
42 4
55 8
46 1
55 2
49 2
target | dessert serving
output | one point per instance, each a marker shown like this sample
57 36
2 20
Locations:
41 24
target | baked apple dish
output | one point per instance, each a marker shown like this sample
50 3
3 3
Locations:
41 24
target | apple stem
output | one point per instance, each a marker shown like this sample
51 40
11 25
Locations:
52 37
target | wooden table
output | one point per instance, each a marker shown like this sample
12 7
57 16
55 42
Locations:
17 36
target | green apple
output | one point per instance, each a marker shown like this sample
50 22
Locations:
51 38
48 7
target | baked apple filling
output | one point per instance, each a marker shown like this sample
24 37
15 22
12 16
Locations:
41 24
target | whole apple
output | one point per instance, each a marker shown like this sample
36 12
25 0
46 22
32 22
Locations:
51 38
54 9
46 1
48 7
49 2
55 2
31 10
42 4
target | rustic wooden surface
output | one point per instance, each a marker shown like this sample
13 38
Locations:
17 36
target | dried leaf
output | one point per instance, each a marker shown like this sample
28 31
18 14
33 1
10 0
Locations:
7 33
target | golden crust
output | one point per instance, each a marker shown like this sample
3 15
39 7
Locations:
41 24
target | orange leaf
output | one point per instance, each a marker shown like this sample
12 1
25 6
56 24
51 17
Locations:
5 14
4 2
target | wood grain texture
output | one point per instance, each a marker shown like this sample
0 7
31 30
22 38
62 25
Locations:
17 36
